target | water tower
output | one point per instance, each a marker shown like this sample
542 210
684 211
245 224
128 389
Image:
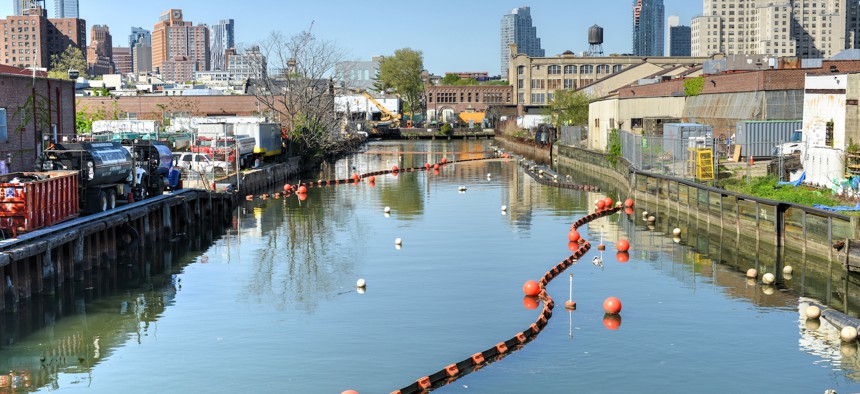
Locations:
595 41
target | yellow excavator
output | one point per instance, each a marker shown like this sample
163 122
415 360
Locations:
390 122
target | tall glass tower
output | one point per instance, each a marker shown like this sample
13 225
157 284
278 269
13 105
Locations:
66 9
223 37
517 28
649 30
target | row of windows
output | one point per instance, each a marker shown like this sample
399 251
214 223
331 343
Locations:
467 98
555 69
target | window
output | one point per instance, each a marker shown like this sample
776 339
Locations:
521 83
3 135
538 84
586 69
553 84
553 70
538 98
521 70
570 69
569 84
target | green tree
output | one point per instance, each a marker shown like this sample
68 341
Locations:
402 74
693 86
568 108
71 59
449 79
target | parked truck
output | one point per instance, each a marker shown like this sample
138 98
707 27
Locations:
154 170
107 171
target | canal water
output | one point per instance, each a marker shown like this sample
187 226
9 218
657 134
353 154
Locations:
270 305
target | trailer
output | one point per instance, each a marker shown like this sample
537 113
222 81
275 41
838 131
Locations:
268 138
32 200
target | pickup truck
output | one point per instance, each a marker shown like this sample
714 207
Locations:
200 162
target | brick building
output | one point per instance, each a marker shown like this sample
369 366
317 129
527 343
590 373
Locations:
29 40
160 107
444 101
121 60
100 51
20 132
178 45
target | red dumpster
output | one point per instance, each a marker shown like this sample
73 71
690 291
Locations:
33 200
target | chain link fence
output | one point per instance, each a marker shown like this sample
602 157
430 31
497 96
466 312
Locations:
573 136
697 158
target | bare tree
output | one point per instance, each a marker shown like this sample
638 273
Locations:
299 90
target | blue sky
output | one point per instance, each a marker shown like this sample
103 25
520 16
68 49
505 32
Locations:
454 35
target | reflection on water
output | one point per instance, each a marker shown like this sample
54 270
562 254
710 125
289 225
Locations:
274 297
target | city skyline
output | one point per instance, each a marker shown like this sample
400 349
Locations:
561 26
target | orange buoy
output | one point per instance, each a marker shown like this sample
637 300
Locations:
426 166
436 166
372 179
600 204
265 196
622 257
349 392
302 190
288 187
444 160
573 247
302 196
395 169
628 203
622 245
607 202
355 177
249 197
531 302
531 288
628 211
573 236
612 305
612 322
570 305
601 247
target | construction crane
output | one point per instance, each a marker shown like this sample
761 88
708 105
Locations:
388 115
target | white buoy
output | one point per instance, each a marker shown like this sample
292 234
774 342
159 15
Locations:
361 283
848 334
645 214
676 231
489 175
652 219
787 270
768 278
504 208
398 241
812 312
387 210
752 273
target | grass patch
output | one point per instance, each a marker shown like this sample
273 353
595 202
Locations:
766 187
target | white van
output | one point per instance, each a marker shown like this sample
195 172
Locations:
200 162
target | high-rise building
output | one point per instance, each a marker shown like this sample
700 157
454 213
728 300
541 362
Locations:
139 35
251 64
100 51
19 6
671 21
222 36
121 60
517 28
66 9
43 38
141 59
648 28
817 29
679 41
179 48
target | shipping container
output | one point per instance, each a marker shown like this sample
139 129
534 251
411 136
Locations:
760 138
33 200
677 136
